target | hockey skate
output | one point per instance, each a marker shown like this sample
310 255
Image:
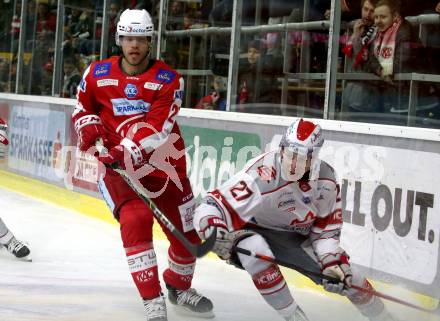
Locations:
190 303
18 249
298 315
156 309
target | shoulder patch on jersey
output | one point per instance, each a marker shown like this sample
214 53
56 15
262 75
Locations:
102 69
166 76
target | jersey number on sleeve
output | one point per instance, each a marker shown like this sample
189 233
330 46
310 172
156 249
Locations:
241 191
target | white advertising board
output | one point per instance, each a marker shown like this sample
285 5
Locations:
36 138
390 208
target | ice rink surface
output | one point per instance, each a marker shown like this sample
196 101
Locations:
79 273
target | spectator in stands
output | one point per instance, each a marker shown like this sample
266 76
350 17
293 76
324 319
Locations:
72 19
216 100
46 20
360 95
72 78
114 13
437 8
82 31
257 77
393 51
175 17
5 25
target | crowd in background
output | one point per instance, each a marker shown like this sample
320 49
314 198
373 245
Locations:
262 60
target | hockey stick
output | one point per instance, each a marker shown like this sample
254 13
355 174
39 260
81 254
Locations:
197 250
331 279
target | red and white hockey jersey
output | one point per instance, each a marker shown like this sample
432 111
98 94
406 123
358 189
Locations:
259 195
150 100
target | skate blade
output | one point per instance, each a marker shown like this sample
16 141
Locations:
187 312
25 259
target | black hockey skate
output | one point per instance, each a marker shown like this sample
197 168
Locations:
18 249
190 303
156 309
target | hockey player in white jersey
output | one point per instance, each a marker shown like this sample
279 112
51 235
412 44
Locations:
286 204
7 239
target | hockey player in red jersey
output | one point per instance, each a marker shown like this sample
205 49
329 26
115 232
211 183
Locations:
130 102
7 239
286 204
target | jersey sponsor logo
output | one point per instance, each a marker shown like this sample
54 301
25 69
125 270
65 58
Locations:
101 70
130 91
286 203
306 200
178 94
82 85
123 107
165 76
153 86
107 82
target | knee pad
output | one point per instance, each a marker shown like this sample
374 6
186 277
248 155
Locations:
258 244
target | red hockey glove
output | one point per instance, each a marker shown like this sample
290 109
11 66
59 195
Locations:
336 265
3 134
3 138
125 155
89 129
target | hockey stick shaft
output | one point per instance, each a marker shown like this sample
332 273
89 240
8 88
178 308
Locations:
322 276
197 250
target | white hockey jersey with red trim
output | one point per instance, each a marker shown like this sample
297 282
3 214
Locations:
259 195
151 100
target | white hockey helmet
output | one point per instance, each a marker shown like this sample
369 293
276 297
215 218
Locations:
134 23
302 137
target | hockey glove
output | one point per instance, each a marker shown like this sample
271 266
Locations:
336 265
89 129
3 138
225 240
125 155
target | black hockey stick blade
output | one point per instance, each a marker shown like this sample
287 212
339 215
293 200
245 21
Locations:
206 247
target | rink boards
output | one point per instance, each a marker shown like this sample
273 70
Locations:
388 177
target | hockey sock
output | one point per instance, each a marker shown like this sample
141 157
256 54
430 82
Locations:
180 272
272 286
143 268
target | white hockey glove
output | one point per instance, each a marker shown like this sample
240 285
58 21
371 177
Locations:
3 138
225 240
336 265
